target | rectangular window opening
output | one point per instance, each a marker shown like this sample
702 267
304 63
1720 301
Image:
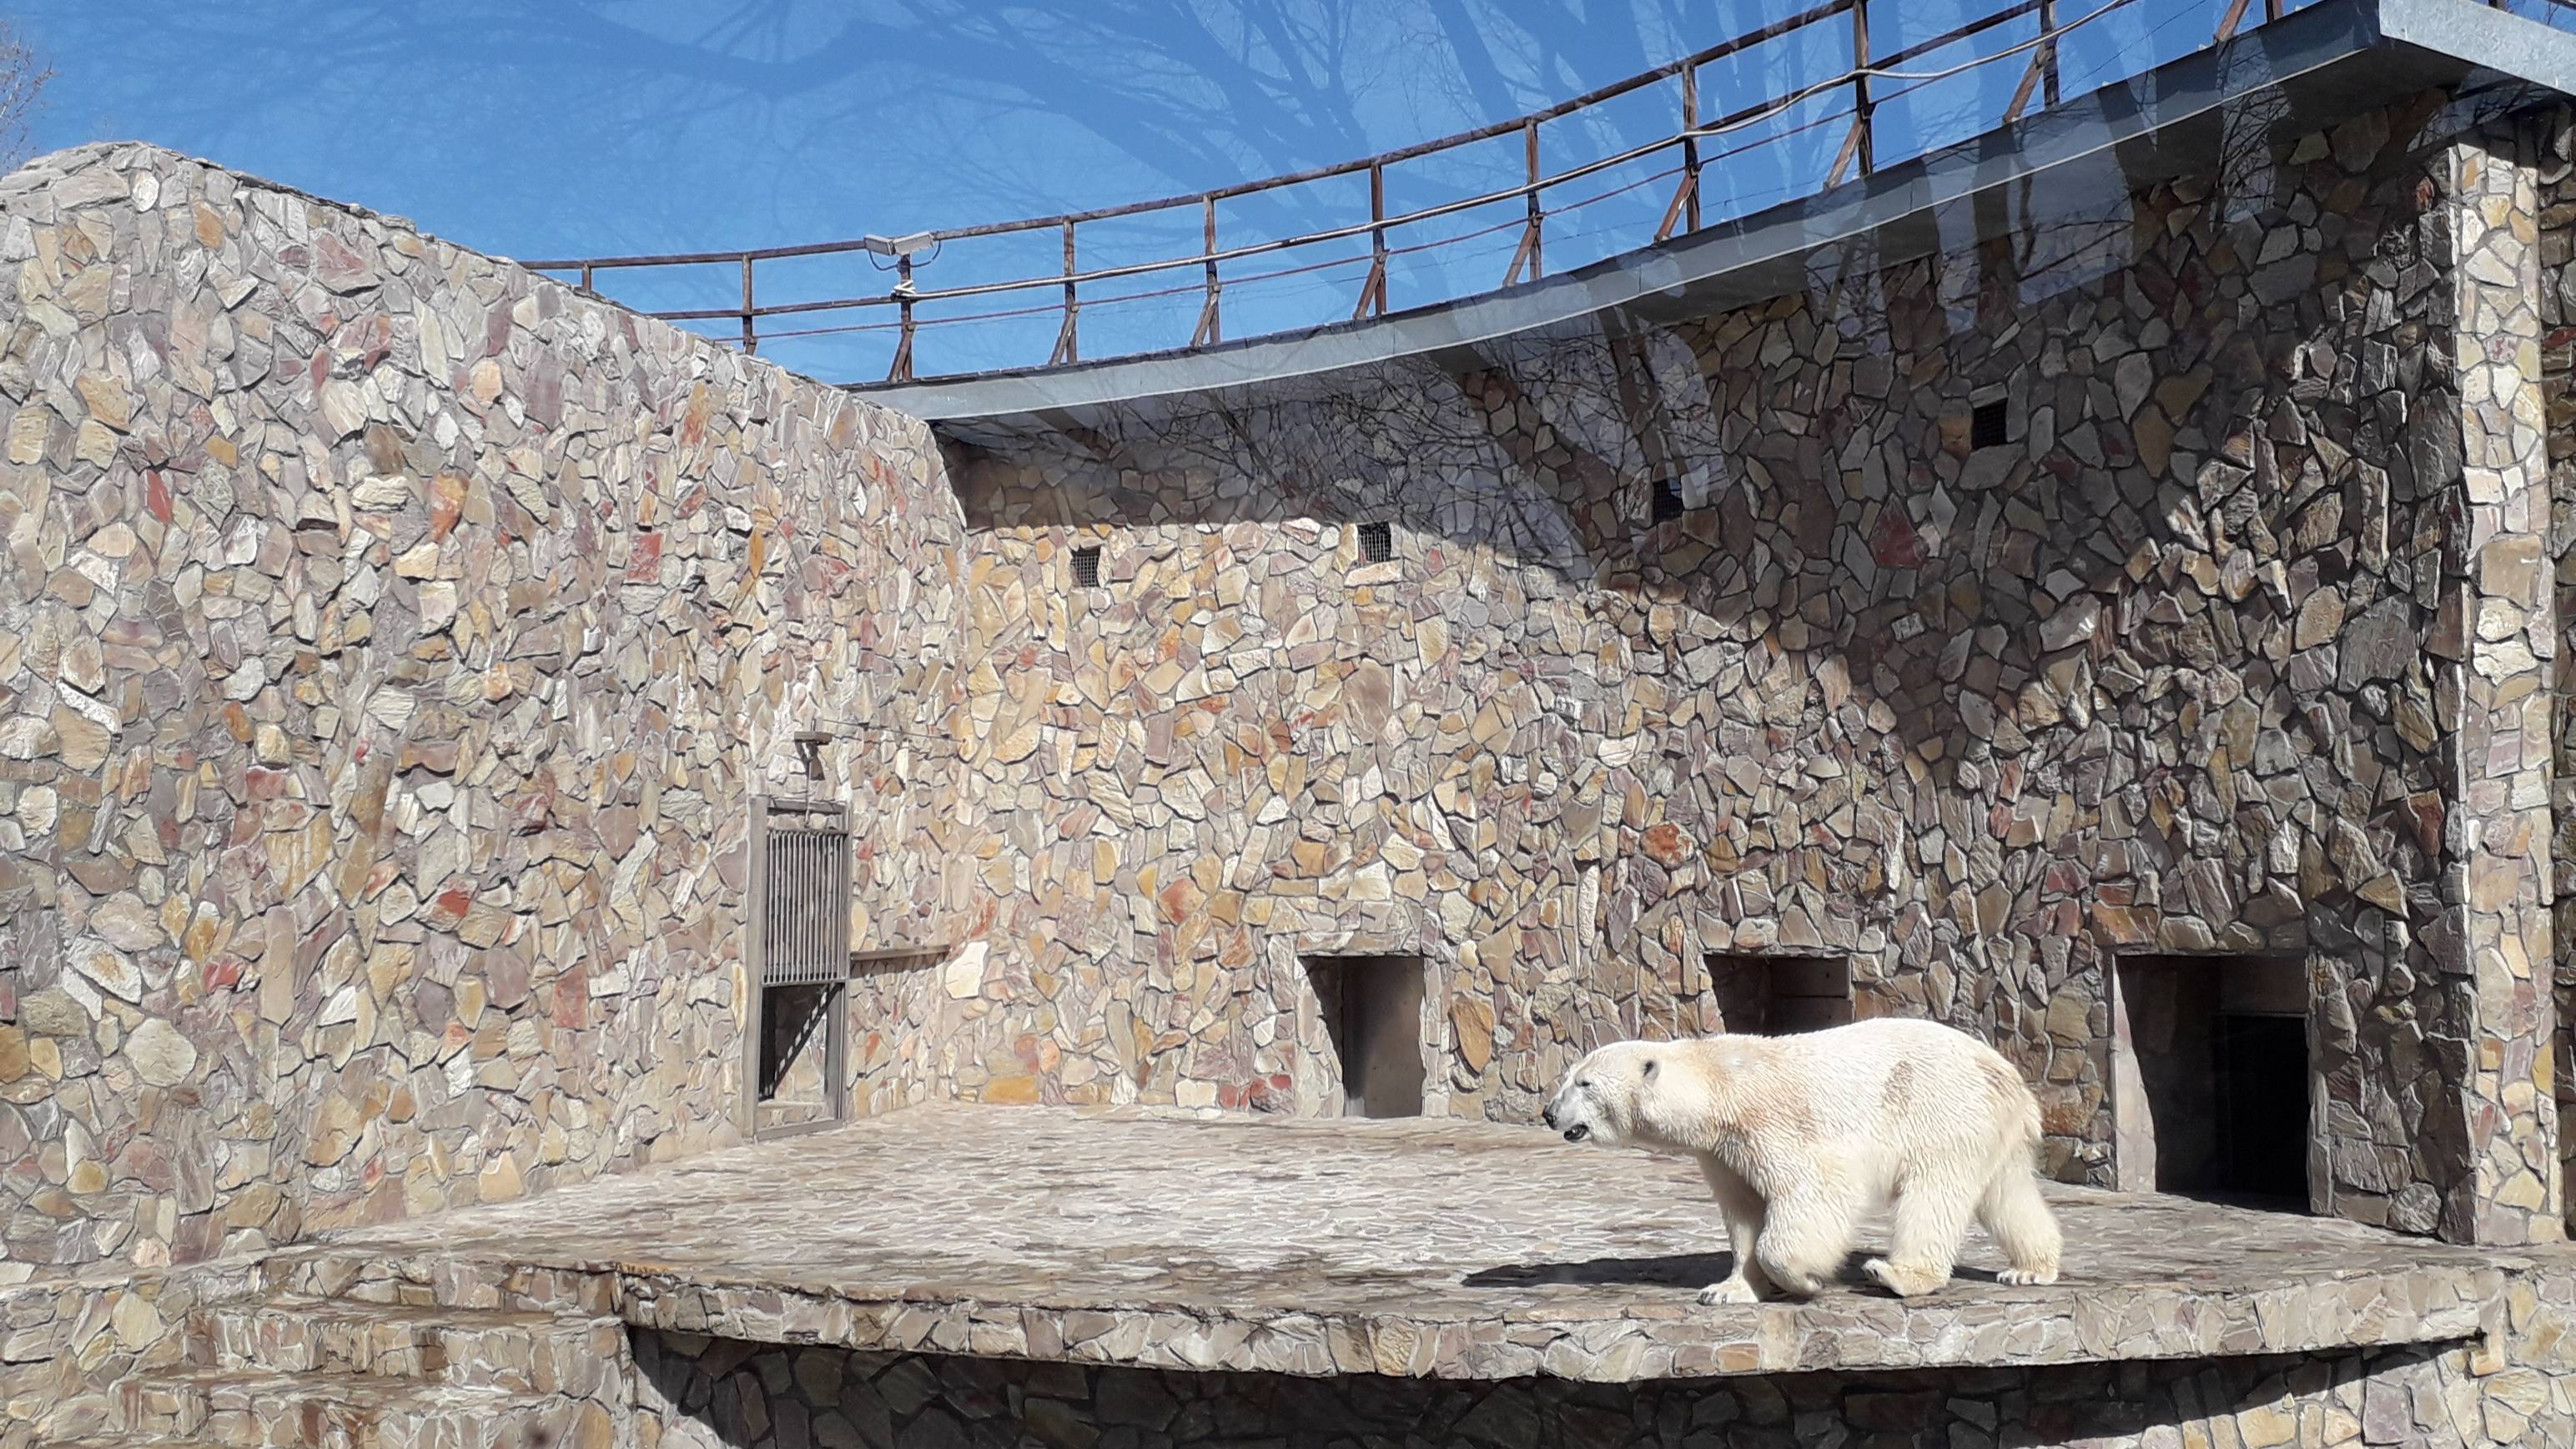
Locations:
1986 425
1086 567
1371 1019
1377 542
2210 1078
1668 501
1779 995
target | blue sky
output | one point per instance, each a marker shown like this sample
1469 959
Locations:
566 127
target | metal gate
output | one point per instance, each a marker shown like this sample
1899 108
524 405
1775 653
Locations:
797 957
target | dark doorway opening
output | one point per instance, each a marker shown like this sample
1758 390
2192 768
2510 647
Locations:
2210 1079
801 1056
2263 1107
1371 1010
1779 995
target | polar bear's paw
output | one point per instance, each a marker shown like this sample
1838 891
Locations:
1901 1281
1732 1290
2026 1277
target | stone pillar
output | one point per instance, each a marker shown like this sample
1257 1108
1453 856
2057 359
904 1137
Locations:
2499 626
2558 387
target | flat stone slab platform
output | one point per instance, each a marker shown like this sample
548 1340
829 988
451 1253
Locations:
1424 1248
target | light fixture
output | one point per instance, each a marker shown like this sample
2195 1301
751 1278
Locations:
903 249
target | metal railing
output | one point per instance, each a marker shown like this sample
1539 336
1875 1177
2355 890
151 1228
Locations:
1872 81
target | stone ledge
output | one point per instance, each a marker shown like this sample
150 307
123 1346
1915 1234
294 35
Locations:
1425 1248
1686 1342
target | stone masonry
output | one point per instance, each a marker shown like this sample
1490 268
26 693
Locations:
390 641
718 1394
2232 645
393 644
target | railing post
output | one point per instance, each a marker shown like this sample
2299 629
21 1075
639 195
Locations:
1685 202
1211 326
1537 213
1377 234
750 333
2048 27
1690 144
1862 108
1068 342
1531 251
2043 66
1373 291
586 284
902 369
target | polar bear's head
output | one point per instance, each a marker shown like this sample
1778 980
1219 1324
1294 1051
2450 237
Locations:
1601 1099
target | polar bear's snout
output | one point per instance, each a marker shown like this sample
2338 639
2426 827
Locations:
1574 1131
1572 1111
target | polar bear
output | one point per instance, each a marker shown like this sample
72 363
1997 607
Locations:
1802 1136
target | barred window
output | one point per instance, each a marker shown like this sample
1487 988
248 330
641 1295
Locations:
1377 542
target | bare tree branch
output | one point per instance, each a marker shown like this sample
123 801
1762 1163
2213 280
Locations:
22 88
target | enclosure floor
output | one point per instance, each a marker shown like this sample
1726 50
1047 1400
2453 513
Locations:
1424 1247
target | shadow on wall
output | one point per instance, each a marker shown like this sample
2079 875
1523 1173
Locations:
1828 506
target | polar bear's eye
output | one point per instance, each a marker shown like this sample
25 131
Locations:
1650 1066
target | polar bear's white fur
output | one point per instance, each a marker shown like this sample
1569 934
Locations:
1800 1137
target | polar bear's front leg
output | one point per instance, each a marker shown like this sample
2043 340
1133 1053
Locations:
1742 1208
1806 1233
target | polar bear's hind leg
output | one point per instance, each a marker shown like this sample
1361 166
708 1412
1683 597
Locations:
2018 1219
1932 1214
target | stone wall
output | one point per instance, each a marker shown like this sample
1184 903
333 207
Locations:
71 1343
2557 196
2231 645
390 643
2497 884
716 1394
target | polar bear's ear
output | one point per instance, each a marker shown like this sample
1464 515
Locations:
1650 1067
